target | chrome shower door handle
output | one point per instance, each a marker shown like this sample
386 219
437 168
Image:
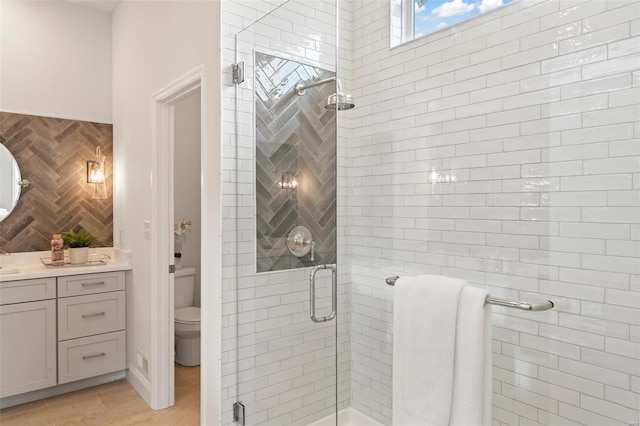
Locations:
334 293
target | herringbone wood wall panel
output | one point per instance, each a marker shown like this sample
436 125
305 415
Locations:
52 154
296 135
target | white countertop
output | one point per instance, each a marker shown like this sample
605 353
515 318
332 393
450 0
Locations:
25 266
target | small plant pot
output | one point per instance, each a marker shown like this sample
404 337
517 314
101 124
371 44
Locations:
78 255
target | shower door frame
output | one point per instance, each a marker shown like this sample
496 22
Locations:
254 251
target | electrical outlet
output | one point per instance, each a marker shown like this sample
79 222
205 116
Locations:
142 362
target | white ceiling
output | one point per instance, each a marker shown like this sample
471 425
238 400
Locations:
106 6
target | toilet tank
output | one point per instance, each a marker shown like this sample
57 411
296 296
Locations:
185 284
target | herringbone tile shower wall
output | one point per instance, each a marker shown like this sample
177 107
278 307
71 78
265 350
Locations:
52 154
295 135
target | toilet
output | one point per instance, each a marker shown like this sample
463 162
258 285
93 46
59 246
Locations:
187 318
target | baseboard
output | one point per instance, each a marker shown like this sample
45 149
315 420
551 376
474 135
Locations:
140 384
23 398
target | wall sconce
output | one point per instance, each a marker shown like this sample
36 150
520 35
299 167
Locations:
96 176
288 181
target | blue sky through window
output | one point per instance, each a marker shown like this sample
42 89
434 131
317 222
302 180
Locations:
433 15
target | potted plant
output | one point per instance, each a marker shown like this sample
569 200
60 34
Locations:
78 243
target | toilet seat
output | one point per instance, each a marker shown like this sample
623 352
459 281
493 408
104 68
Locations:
190 315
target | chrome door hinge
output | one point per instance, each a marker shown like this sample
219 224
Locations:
172 269
238 72
238 413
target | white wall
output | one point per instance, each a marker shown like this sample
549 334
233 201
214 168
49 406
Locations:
187 179
55 60
154 43
534 108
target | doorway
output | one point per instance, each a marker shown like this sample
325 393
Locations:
187 244
166 101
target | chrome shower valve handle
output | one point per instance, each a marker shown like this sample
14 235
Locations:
299 242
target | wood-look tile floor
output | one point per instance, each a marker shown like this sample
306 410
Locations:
115 403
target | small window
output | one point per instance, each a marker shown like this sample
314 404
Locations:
411 19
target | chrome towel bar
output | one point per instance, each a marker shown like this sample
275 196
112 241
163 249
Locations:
545 306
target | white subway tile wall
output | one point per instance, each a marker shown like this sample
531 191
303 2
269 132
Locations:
535 112
504 151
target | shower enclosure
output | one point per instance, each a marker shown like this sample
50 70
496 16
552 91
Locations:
281 359
503 150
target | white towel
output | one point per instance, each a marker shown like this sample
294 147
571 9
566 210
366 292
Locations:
471 404
424 325
429 375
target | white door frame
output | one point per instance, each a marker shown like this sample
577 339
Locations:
162 283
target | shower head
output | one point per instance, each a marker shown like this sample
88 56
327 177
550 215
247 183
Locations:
339 101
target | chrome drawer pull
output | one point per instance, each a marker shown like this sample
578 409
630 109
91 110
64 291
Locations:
93 284
93 356
97 314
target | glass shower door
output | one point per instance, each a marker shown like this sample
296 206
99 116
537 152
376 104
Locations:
280 320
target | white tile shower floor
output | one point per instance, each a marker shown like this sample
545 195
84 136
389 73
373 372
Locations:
347 417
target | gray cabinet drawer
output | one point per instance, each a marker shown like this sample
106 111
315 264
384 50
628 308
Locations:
91 356
78 285
27 290
82 316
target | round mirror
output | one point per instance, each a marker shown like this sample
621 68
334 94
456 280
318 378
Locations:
9 182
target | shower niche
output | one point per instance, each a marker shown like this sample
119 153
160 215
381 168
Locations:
295 164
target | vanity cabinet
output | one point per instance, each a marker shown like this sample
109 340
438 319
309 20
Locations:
27 336
91 325
59 330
